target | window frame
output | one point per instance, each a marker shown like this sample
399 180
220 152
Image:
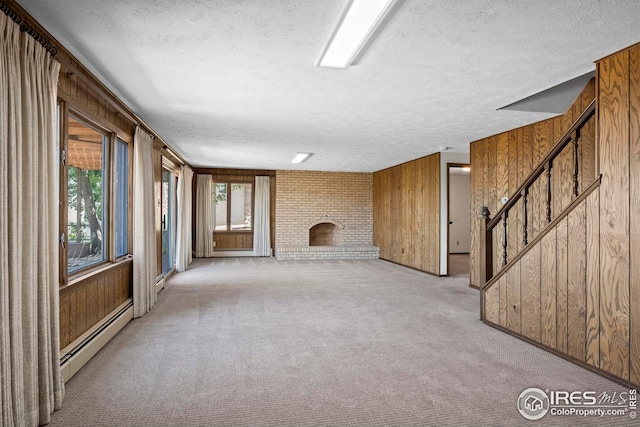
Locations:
229 183
129 198
112 136
167 165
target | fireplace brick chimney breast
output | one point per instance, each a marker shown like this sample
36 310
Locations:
308 198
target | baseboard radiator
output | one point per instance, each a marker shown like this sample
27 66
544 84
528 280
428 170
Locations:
79 352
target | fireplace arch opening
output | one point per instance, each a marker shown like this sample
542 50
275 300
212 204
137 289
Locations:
324 234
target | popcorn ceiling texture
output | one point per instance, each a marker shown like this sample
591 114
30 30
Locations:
233 83
304 199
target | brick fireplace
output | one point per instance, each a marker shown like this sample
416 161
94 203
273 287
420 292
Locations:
324 215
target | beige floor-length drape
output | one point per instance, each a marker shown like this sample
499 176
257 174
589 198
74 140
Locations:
144 231
30 379
184 254
261 220
204 216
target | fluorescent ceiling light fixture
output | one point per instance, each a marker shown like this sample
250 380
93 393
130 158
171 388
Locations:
357 22
301 157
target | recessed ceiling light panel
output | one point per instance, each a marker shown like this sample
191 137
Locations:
301 157
358 20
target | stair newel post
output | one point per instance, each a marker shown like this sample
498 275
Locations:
576 162
505 216
548 171
486 247
525 222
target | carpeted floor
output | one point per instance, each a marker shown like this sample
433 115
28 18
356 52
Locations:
257 342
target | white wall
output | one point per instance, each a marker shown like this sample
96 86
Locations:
446 157
459 213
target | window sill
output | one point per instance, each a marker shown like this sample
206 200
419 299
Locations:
95 272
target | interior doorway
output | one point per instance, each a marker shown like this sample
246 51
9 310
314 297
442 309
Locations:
459 218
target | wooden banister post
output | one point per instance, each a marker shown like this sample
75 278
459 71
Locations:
549 167
505 242
525 222
576 163
486 248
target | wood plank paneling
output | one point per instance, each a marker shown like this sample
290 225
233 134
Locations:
421 215
563 179
576 289
434 210
561 285
85 303
613 75
634 206
525 153
476 159
548 275
404 196
64 320
407 211
530 293
593 279
492 304
514 319
502 283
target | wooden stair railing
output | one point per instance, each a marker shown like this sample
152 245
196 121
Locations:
502 216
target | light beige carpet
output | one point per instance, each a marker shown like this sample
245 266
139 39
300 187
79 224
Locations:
257 342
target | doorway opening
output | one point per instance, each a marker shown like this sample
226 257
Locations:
459 218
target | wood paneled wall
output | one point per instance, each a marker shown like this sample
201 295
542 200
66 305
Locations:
406 213
545 296
619 148
501 163
577 290
238 240
84 303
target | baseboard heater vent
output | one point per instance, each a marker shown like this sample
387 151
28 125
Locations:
79 352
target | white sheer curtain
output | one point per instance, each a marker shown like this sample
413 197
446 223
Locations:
204 217
183 235
261 229
30 379
144 234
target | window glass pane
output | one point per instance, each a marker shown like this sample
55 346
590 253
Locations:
122 198
241 206
220 206
87 196
168 220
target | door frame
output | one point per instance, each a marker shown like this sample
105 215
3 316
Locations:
449 166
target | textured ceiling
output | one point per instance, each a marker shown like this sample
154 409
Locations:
233 83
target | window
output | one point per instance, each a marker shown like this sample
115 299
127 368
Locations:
122 198
220 206
168 220
87 175
95 187
233 204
